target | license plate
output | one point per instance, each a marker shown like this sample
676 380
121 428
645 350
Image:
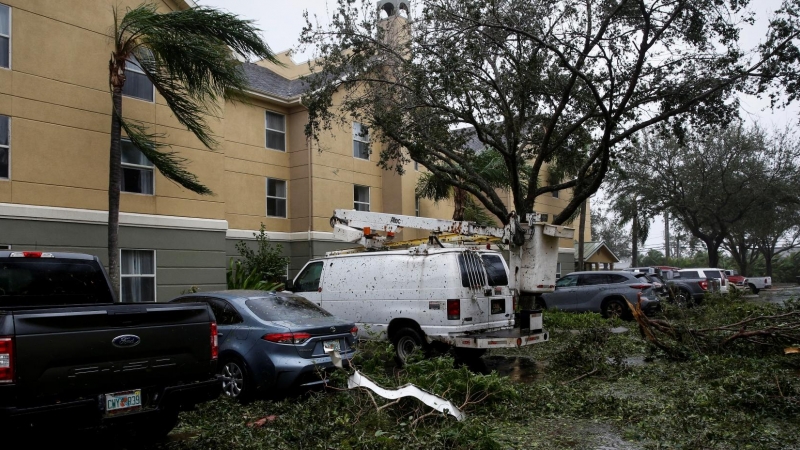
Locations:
330 346
123 402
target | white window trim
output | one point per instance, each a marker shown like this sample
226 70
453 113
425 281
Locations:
286 185
369 197
417 206
137 69
153 276
558 270
360 139
266 128
134 166
10 46
5 246
8 147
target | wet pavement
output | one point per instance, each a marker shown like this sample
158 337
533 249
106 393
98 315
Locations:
776 294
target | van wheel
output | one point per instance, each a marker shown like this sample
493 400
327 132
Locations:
406 342
540 304
615 308
753 288
468 353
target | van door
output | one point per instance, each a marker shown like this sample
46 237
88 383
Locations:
308 282
475 309
501 302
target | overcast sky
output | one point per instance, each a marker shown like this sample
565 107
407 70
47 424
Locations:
281 22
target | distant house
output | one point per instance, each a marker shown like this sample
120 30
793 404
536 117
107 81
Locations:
597 256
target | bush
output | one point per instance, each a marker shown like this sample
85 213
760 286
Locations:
267 260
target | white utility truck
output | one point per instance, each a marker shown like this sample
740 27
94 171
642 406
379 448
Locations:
430 295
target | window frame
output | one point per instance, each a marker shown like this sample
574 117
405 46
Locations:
10 39
558 270
285 199
417 206
267 129
135 68
7 147
369 198
154 276
358 138
136 166
305 270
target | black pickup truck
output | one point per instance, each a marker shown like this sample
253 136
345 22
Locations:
72 357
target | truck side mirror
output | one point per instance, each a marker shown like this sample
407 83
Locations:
288 285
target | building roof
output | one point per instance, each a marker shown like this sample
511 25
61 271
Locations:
592 248
265 81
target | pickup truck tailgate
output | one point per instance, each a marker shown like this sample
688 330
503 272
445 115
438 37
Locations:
71 352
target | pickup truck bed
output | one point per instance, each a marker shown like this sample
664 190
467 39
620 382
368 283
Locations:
94 361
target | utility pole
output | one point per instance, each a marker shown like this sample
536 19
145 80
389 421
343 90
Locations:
666 235
581 239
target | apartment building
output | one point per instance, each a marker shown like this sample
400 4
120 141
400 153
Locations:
55 119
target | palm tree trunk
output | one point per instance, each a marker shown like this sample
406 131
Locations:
581 238
114 182
459 203
635 237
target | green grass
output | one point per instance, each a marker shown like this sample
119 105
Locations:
635 397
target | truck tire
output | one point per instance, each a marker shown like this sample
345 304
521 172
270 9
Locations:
615 307
684 298
236 382
468 354
406 342
753 288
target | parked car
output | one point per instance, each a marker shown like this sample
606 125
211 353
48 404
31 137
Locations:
445 297
755 284
71 357
689 288
603 291
707 273
272 341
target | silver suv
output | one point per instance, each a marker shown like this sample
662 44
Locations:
602 291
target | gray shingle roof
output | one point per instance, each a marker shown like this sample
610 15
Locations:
266 81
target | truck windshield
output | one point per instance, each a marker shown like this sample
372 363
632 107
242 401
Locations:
38 282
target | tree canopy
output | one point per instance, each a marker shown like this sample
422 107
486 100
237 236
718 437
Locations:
561 84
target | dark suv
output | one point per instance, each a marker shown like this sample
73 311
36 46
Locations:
604 292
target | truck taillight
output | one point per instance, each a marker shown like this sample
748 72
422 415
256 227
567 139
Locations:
6 360
703 284
31 255
214 341
354 331
454 309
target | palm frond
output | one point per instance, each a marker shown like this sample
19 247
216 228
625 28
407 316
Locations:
168 163
432 187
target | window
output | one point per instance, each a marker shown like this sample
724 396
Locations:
567 281
495 269
617 278
416 206
555 194
5 142
138 276
361 198
308 280
558 270
416 166
360 141
276 198
276 131
224 312
137 170
592 279
5 36
471 267
544 217
137 85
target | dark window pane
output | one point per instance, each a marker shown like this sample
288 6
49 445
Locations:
361 149
361 194
5 55
361 207
276 188
276 122
3 163
495 270
137 181
32 282
276 207
138 289
276 140
132 155
567 281
5 122
138 262
615 278
137 85
713 274
5 20
592 279
224 312
291 308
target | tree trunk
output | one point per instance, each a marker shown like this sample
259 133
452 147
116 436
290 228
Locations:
713 253
459 203
114 182
635 236
581 233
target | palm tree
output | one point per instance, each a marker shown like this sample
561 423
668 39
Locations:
190 56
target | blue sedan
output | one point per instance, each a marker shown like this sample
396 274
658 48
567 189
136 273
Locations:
272 341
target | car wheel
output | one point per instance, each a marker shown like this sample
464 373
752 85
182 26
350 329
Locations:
407 341
468 353
615 308
683 298
235 382
753 288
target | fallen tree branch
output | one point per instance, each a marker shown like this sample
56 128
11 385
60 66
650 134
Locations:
588 374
